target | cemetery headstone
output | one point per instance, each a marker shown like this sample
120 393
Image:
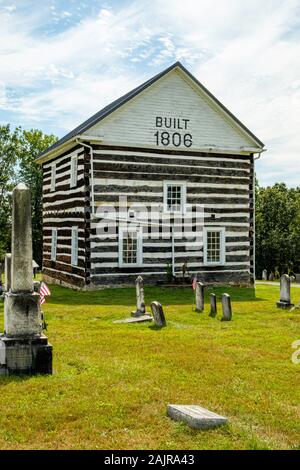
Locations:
195 416
140 298
213 305
158 314
199 297
264 275
285 292
226 307
24 349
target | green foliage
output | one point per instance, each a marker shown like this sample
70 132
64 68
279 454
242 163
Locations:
9 143
18 151
277 229
32 143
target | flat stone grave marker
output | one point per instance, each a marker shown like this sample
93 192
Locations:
139 319
195 416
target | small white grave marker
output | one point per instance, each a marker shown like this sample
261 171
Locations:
195 416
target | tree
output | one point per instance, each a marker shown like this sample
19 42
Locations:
31 144
18 152
277 229
9 143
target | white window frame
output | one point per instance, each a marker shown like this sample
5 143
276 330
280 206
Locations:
139 254
182 184
221 230
74 246
73 173
54 244
53 177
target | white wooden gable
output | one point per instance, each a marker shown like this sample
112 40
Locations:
174 113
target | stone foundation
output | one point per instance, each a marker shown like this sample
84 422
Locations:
155 280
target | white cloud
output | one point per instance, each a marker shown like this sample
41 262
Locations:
9 8
246 53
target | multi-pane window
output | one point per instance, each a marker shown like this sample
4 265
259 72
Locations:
214 245
174 196
130 247
53 244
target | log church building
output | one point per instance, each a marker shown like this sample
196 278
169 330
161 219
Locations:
169 144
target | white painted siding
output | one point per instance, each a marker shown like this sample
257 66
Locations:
134 124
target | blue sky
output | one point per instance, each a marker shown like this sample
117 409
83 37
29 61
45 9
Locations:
61 61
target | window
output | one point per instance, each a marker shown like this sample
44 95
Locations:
74 246
74 162
214 245
130 246
53 176
174 196
53 244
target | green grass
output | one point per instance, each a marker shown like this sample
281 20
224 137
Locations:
112 382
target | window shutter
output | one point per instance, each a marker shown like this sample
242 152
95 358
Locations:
53 176
54 244
74 255
73 171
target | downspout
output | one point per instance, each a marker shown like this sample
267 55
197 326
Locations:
173 250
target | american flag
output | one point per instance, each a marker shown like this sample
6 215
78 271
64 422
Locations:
194 282
44 290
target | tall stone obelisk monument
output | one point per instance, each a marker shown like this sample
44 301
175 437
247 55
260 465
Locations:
24 349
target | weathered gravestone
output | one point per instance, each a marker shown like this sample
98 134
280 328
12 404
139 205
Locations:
264 275
158 314
140 298
7 272
199 297
226 307
195 416
213 305
24 349
285 292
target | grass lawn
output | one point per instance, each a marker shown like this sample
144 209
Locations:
112 382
